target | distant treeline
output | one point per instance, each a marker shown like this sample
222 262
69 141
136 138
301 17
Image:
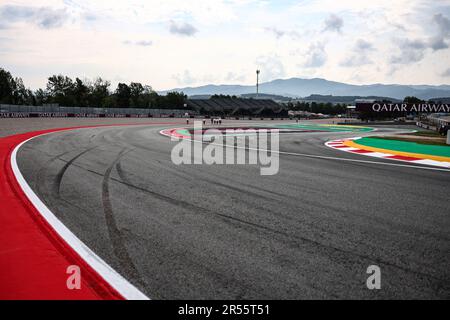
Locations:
64 91
318 107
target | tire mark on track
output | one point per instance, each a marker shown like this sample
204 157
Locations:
120 171
120 250
58 179
40 185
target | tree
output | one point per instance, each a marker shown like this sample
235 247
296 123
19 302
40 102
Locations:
99 93
136 91
6 87
173 100
21 95
60 89
412 100
80 93
123 95
149 98
41 97
110 101
85 93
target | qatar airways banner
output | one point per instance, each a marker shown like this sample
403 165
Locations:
403 107
70 115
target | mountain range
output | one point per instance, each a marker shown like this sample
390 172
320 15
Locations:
298 87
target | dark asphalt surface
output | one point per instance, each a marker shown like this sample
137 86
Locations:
226 232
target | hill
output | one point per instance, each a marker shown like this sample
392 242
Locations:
298 87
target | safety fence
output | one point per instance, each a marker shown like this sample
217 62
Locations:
438 119
20 111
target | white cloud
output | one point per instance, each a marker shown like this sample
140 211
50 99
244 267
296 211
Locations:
410 51
360 55
182 28
43 17
446 73
234 77
142 43
334 23
185 78
271 67
316 56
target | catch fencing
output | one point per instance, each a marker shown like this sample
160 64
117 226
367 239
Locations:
20 111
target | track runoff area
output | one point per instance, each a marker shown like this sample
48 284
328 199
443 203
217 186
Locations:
102 212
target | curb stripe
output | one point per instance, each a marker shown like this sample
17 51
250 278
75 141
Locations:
349 145
402 153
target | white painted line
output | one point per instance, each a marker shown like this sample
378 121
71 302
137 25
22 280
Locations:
433 162
329 158
378 154
348 149
119 283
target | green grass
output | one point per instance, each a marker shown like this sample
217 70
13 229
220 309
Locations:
436 142
424 134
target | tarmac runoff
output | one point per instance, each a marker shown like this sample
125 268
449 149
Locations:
434 155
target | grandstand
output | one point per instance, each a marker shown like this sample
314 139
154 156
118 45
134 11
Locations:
227 106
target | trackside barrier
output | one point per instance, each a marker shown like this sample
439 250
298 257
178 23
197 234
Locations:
52 111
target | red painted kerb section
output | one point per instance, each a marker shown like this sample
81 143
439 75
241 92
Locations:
33 257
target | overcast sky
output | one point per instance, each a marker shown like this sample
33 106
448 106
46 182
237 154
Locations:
175 43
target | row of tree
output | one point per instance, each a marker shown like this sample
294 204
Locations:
64 91
317 107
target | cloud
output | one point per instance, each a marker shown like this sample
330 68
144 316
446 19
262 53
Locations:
438 42
278 33
43 17
360 54
363 45
234 77
316 56
89 17
397 26
334 23
446 73
142 43
185 78
184 29
443 24
410 51
203 12
271 67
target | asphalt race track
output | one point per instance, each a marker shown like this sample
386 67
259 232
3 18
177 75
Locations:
226 232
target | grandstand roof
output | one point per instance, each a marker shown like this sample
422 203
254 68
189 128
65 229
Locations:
236 106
